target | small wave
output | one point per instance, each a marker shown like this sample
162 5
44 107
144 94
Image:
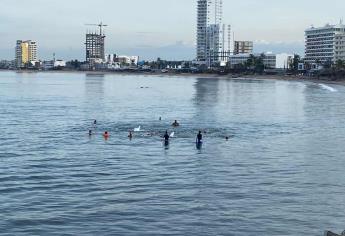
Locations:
323 86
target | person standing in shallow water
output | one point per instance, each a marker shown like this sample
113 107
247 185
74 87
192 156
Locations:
166 138
130 135
199 137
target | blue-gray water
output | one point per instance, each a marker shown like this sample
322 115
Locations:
281 173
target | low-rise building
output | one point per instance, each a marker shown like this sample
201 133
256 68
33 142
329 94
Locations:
128 60
269 59
5 64
284 60
53 64
121 59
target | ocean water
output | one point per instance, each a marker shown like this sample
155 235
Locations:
281 173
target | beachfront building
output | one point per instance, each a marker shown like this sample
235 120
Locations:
53 64
211 33
122 60
26 51
269 60
284 60
325 44
5 64
243 47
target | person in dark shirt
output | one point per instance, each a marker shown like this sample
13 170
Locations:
166 138
199 137
176 124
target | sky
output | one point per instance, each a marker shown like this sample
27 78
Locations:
157 28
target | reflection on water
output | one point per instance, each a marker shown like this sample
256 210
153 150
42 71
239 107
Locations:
205 99
281 172
206 91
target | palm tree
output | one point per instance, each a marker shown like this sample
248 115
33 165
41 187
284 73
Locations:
339 64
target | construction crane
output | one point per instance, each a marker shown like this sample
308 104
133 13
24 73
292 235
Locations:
100 25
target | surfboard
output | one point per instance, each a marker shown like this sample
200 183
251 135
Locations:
137 129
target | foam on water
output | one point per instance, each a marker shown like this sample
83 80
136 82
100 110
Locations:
329 88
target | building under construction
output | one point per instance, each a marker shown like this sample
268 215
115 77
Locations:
95 46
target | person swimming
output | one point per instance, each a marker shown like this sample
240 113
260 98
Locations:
199 137
227 138
106 135
95 122
176 124
90 132
130 135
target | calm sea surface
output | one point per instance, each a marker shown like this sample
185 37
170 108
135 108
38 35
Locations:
281 173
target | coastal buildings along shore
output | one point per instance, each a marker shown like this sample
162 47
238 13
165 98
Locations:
325 44
243 47
26 52
269 60
95 46
211 33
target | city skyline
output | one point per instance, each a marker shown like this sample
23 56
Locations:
133 28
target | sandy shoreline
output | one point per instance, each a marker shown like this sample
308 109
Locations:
216 76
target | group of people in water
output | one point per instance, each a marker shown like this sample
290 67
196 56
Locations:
166 136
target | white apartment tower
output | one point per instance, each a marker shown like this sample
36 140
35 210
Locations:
325 44
211 32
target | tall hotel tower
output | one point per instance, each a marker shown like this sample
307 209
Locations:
211 33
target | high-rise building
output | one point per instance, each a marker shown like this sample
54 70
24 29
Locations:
325 44
26 51
211 32
243 47
95 46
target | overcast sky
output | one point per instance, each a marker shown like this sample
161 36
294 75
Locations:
156 28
